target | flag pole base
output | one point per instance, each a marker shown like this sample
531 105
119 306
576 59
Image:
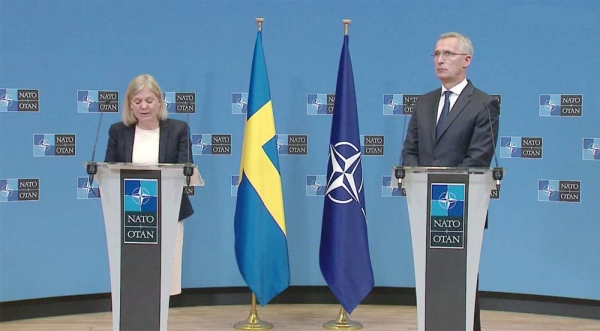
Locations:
342 323
253 322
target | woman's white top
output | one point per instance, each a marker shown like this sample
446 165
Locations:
145 146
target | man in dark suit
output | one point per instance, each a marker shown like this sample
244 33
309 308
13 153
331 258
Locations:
455 125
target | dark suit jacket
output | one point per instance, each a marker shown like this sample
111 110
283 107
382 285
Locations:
174 147
466 134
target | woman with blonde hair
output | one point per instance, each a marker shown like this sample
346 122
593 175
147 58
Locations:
147 136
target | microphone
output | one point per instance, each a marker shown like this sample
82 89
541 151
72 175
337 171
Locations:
399 170
188 168
497 172
92 166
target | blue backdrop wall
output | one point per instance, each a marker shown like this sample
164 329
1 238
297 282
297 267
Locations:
57 58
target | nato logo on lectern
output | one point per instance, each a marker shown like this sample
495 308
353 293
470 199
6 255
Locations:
140 211
521 147
389 190
92 101
19 189
399 104
239 103
320 103
447 220
552 190
590 150
19 100
316 185
211 144
53 144
180 102
292 144
567 105
87 190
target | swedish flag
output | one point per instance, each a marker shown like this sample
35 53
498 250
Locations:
260 235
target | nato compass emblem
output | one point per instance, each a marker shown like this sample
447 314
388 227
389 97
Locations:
591 149
7 191
345 183
140 196
447 200
6 100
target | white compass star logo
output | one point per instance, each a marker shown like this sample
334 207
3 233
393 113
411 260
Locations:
167 102
549 190
43 145
279 144
316 104
316 185
87 187
393 104
140 196
594 149
447 200
550 105
6 100
510 147
201 144
6 190
241 103
343 172
88 101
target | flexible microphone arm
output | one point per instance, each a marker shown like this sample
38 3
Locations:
399 171
188 168
497 172
92 167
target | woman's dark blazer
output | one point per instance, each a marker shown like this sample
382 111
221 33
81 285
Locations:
174 147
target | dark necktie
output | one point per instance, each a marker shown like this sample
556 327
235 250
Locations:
444 114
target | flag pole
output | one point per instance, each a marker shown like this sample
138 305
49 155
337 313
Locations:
343 322
253 322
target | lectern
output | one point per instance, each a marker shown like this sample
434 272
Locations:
447 210
141 208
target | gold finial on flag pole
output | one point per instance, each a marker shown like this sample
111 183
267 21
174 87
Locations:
253 322
259 21
346 25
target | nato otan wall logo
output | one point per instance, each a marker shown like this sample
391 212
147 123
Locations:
590 149
19 189
567 105
521 147
292 144
87 190
91 101
180 102
211 144
19 100
552 190
320 103
372 145
45 145
389 188
399 104
316 185
239 103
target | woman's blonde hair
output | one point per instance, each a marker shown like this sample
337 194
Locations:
136 85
